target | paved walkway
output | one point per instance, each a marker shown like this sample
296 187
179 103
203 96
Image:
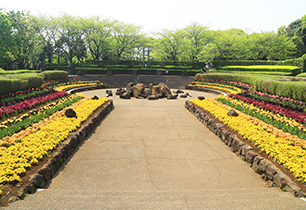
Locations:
156 155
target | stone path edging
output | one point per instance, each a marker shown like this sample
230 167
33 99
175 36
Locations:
48 171
203 89
85 88
260 165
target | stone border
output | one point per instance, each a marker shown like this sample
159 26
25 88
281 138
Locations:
204 89
49 170
85 88
260 165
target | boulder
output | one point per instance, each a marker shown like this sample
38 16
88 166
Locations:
178 91
152 97
95 98
172 97
119 91
130 91
232 113
125 96
138 88
109 93
130 84
70 113
155 89
147 92
164 90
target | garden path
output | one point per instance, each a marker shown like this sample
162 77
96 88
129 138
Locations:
156 155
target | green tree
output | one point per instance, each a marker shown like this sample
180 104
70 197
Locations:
300 46
25 43
126 38
197 37
168 45
97 34
70 39
5 38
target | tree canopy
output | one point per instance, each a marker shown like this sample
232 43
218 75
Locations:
26 39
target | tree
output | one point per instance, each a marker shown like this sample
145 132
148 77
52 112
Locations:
97 34
231 44
300 46
197 37
25 43
126 38
5 38
169 44
71 40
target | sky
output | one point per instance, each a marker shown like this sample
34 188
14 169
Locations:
155 15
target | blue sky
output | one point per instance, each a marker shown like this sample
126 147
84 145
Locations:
154 15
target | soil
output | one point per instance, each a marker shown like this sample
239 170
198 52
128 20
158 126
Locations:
259 152
11 190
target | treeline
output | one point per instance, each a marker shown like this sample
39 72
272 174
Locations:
26 39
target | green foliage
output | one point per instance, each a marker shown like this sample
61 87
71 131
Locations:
55 75
264 83
16 82
292 69
301 75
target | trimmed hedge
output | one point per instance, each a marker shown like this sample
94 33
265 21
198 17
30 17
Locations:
301 75
267 83
15 82
55 75
293 70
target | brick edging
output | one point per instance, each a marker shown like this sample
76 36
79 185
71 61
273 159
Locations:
260 165
49 170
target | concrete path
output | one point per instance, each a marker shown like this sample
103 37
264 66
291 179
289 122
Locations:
156 155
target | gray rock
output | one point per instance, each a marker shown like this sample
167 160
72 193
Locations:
125 96
280 179
293 188
152 97
172 97
70 113
232 113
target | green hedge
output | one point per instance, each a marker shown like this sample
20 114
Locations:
301 75
293 70
264 83
55 75
15 82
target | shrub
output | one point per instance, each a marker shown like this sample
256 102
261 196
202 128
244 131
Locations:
294 70
55 74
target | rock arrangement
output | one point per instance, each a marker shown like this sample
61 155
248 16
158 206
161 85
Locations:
270 173
150 92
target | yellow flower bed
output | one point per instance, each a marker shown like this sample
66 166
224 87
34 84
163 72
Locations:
268 127
8 140
65 87
282 150
227 88
289 121
18 157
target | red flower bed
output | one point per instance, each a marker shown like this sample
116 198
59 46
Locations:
298 116
29 103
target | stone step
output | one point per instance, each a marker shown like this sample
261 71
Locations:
181 199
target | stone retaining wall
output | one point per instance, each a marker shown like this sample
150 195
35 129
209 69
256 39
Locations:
260 165
49 170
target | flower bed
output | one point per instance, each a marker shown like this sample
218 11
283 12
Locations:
16 159
15 124
62 87
29 103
